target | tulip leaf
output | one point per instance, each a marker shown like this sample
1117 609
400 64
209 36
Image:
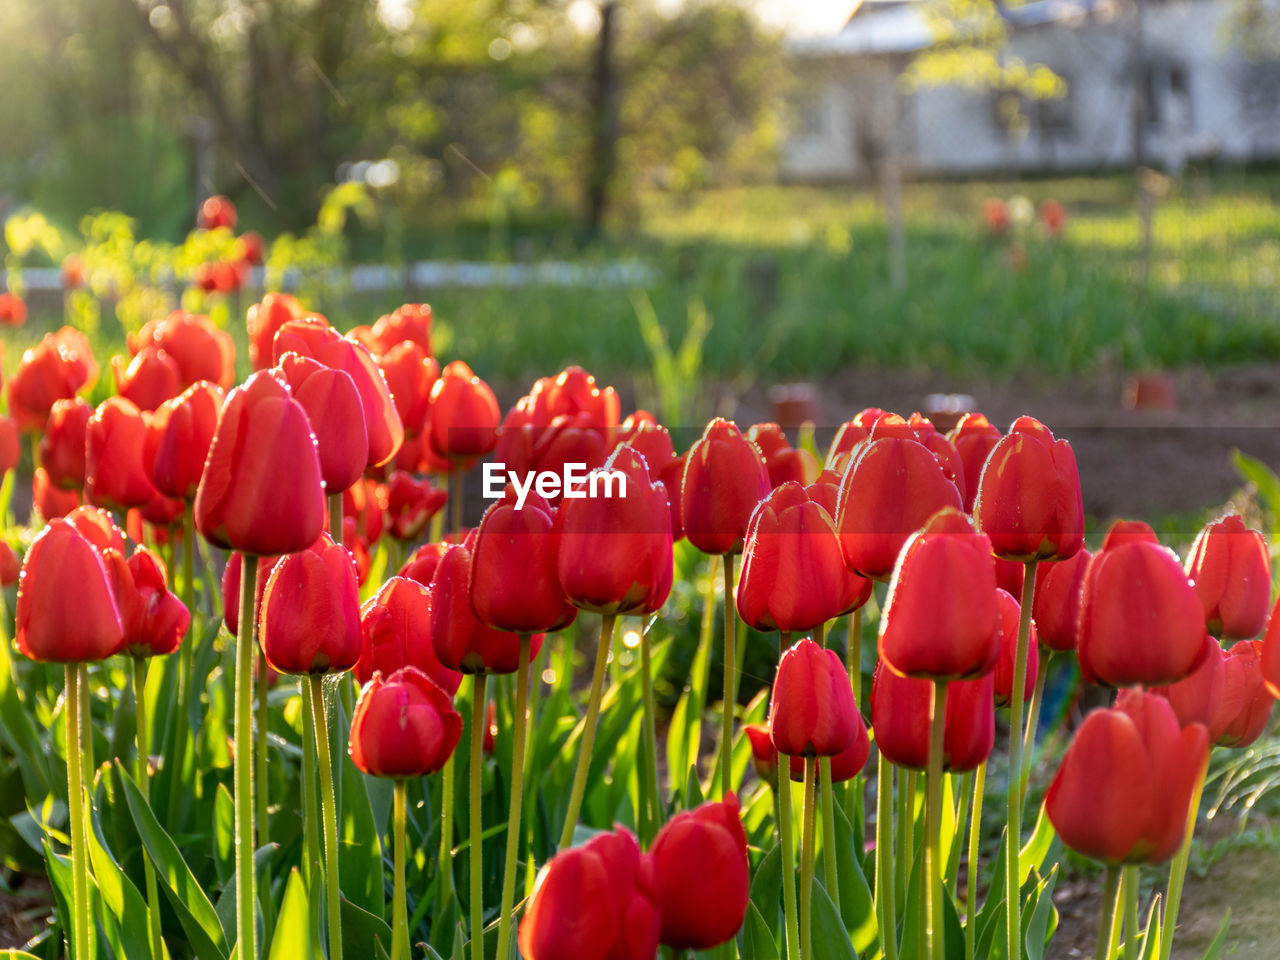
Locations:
1036 928
359 848
1033 853
758 941
17 955
292 936
224 834
196 914
1151 932
830 939
994 881
913 916
1219 938
950 835
18 733
857 906
120 896
362 929
684 733
692 789
766 887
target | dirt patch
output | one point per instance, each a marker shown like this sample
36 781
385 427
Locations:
23 911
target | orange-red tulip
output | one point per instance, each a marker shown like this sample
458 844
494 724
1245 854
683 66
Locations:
149 379
62 443
179 435
411 504
115 439
464 415
154 619
201 350
332 403
973 437
1246 702
1010 620
217 212
263 320
1056 607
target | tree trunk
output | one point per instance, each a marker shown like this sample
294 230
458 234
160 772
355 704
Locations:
604 126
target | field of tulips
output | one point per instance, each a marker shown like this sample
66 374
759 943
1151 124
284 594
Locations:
270 688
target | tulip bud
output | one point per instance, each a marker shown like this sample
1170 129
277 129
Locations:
764 755
849 436
333 407
421 565
724 480
10 565
410 372
264 320
599 901
1056 607
154 619
67 610
200 350
151 377
13 312
782 461
411 504
231 590
703 874
50 501
396 627
54 369
973 437
464 415
62 444
261 490
1198 697
311 611
900 718
366 503
1246 702
404 726
178 438
1230 567
10 453
114 440
217 212
1010 622
812 711
1126 782
408 323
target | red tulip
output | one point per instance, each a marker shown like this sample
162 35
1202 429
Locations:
1010 620
1122 792
404 726
1198 697
249 249
310 613
703 875
1230 567
263 320
154 619
10 452
1028 499
1056 606
973 437
54 369
643 434
942 618
51 501
98 528
464 415
849 436
408 323
599 901
764 755
411 504
724 480
201 350
67 610
995 215
396 626
73 272
216 212
1246 702
367 503
423 562
793 572
1140 619
846 764
332 403
1053 217
114 440
150 378
179 436
13 312
782 461
231 590
812 711
900 718
410 372
261 490
62 444
10 565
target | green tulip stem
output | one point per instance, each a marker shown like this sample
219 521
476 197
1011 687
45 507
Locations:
730 681
78 932
260 790
1013 835
246 644
933 835
789 911
400 909
806 859
478 720
853 786
588 739
446 831
86 730
1033 718
454 482
517 796
310 808
186 655
971 880
906 814
652 800
886 911
1178 872
329 812
830 873
335 517
1107 913
1131 930
142 773
962 790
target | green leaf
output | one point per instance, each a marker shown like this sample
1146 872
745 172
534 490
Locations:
361 930
1041 911
830 939
1033 853
766 887
758 942
292 938
224 834
359 846
119 896
1219 939
857 906
17 955
684 733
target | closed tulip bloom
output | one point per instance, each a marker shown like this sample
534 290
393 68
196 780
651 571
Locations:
333 407
1270 653
54 369
231 590
1246 702
724 480
154 619
900 718
200 350
846 764
62 443
149 379
1140 619
461 642
261 491
1028 499
403 726
366 502
10 565
115 475
249 249
422 563
1010 616
1230 567
942 618
782 461
703 875
764 755
614 554
892 487
179 435
263 320
13 311
411 504
408 323
562 419
311 611
812 711
849 436
410 372
1122 792
1198 697
464 417
514 582
973 437
10 452
1056 607
396 627
67 610
643 434
793 572
599 901
98 528
217 212
49 500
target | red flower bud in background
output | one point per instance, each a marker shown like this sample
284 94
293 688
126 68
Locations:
10 452
614 554
56 368
1270 653
396 626
10 566
850 434
1198 697
942 618
703 875
461 642
643 434
782 461
1246 702
464 415
261 490
367 503
114 440
764 755
793 572
1122 792
411 504
422 563
1010 620
263 320
514 583
311 611
846 764
599 901
201 350
900 718
73 272
973 437
333 408
98 528
1053 217
410 373
1140 619
62 444
408 323
1230 568
49 500
812 711
13 312
1056 606
403 726
1028 499
179 435
150 378
67 610
217 211
154 619
995 216
249 250
231 590
889 490
724 480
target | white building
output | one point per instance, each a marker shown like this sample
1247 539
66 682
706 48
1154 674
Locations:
1204 98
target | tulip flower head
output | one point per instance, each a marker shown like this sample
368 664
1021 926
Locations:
463 419
179 435
61 449
973 437
396 626
1230 568
1010 617
310 613
900 718
1056 606
812 711
115 440
724 480
154 619
403 726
